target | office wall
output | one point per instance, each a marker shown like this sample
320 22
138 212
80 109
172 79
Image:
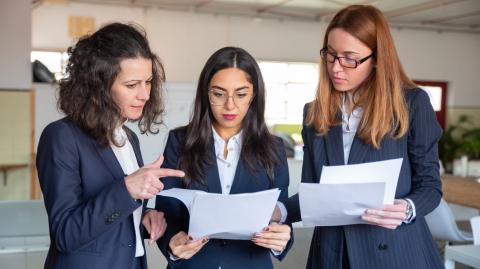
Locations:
15 24
185 40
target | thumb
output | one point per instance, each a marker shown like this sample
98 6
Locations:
156 164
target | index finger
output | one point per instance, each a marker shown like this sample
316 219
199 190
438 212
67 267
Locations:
195 244
275 227
395 208
167 172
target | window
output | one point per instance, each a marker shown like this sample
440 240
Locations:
437 90
289 85
55 61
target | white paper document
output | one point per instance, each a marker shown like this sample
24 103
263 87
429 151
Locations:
221 216
338 204
382 171
345 191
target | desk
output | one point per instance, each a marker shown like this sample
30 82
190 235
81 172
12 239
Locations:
461 190
465 254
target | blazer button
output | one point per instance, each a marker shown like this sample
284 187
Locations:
382 246
223 243
108 220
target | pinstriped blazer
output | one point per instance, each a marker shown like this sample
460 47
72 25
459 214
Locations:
367 246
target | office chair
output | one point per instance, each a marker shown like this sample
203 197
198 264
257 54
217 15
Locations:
442 225
475 222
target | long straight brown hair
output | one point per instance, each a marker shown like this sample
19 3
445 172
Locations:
381 95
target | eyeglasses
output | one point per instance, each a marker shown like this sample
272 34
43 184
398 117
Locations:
343 61
220 98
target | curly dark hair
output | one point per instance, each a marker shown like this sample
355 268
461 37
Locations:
85 94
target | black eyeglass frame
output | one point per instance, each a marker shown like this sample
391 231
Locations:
324 51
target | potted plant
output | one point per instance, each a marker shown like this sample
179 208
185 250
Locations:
460 139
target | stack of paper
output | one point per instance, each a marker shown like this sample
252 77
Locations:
346 191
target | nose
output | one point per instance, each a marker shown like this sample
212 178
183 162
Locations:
336 65
143 92
230 104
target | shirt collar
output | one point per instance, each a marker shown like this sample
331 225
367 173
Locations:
356 112
119 134
235 142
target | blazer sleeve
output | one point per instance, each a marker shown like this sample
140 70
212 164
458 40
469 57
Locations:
281 181
308 173
75 220
423 137
176 213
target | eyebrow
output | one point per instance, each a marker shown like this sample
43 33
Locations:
344 52
137 80
223 89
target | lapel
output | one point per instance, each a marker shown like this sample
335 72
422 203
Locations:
136 147
110 161
212 176
334 146
358 151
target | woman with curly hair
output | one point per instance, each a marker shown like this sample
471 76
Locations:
89 164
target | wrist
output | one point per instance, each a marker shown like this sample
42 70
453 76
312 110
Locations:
408 210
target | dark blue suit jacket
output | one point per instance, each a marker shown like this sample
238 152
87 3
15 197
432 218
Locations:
368 246
88 205
229 254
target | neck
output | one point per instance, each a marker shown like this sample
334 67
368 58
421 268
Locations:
349 102
226 133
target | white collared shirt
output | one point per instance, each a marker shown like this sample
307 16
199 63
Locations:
227 166
128 161
350 123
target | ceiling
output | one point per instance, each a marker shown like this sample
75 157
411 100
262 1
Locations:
437 15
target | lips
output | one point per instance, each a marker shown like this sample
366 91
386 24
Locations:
229 116
338 80
140 107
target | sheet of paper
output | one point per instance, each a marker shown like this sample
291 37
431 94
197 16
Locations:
184 195
235 216
382 171
338 204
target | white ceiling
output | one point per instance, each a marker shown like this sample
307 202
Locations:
439 15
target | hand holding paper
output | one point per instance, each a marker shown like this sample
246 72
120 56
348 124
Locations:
345 193
236 216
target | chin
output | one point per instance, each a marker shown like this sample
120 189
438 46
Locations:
134 116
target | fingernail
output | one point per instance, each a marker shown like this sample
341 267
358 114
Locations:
258 235
266 228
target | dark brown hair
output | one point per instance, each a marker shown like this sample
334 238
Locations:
94 63
259 147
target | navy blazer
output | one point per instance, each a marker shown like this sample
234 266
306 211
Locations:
89 207
368 246
229 254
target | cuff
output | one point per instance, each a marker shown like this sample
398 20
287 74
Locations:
276 253
173 257
283 212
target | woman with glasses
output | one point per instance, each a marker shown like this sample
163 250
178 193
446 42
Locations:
366 109
226 148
